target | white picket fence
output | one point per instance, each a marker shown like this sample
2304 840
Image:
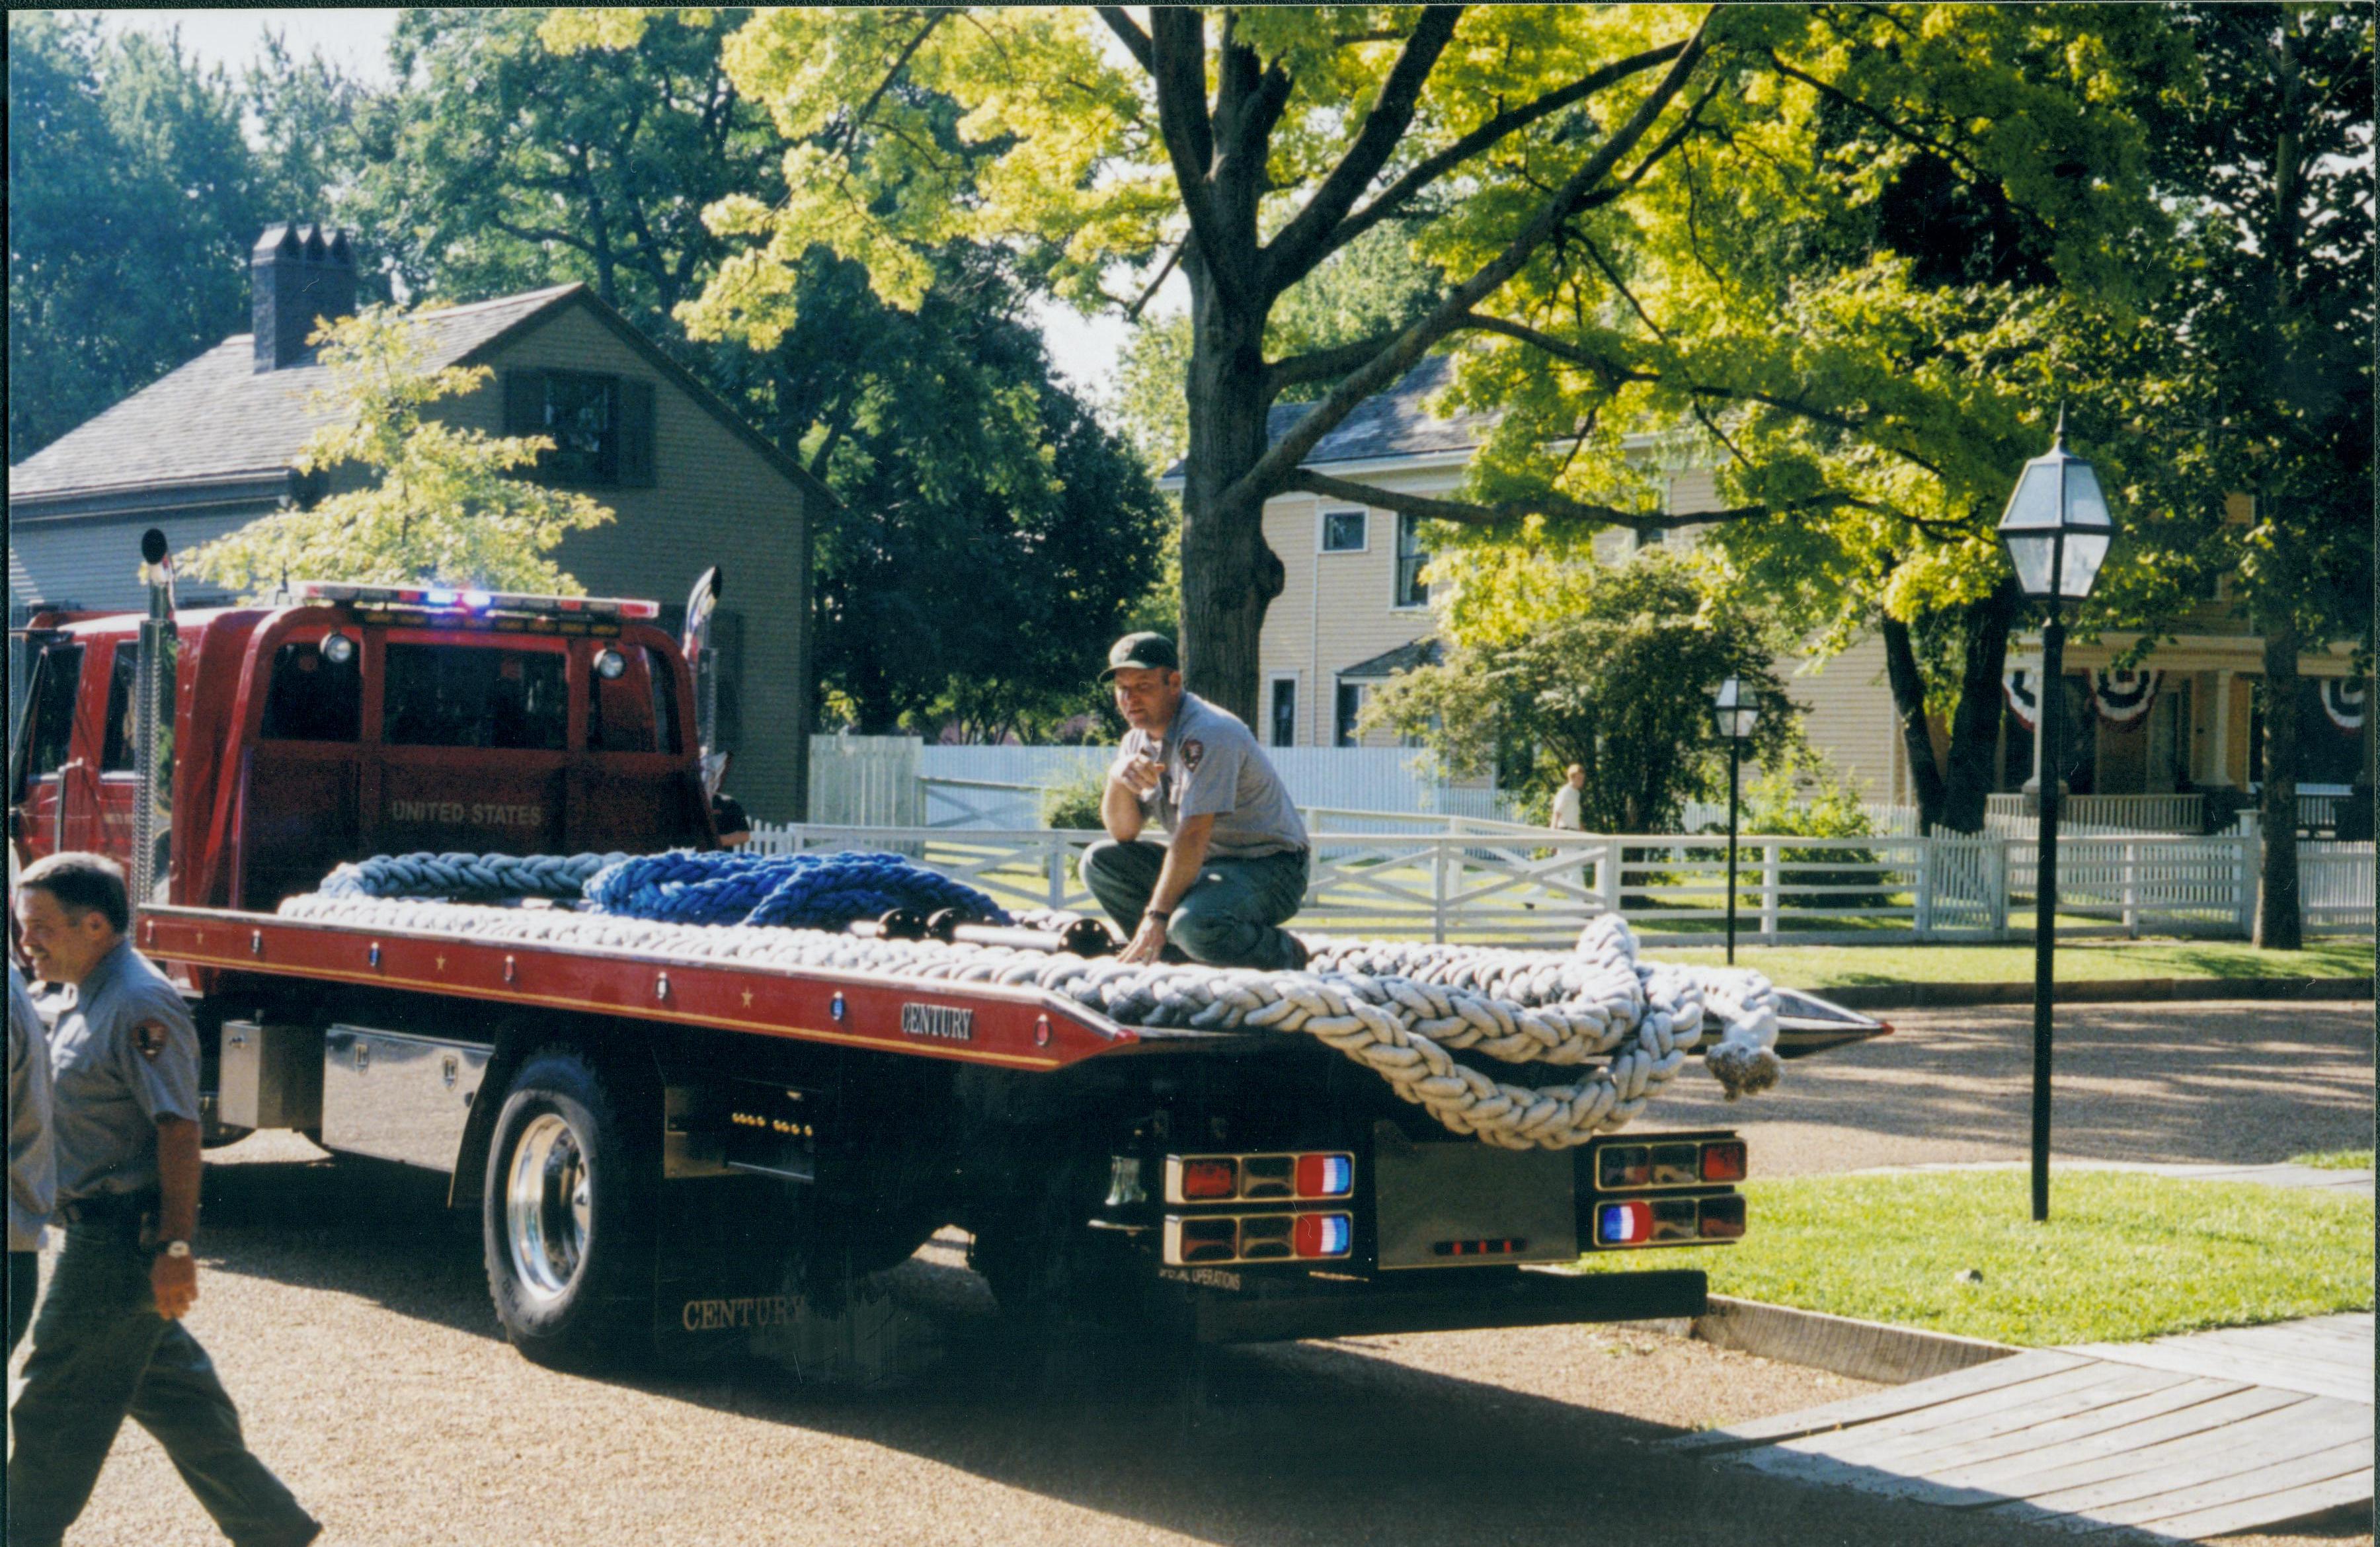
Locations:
1491 882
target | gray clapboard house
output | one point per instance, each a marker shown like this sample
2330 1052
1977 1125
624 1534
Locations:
210 447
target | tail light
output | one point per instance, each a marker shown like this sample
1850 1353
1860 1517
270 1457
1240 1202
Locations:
1201 1238
1725 1161
1685 1163
1204 1178
1320 1174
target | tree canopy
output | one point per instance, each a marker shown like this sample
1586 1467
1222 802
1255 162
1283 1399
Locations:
991 535
134 195
1609 667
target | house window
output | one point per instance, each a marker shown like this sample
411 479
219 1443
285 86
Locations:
1285 711
1342 531
1351 709
601 426
1412 590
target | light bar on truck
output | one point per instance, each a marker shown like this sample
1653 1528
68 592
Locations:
444 599
1250 1178
1197 1240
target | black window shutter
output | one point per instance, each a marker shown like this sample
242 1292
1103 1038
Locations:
637 435
727 641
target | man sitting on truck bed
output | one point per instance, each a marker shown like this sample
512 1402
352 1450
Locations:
1233 869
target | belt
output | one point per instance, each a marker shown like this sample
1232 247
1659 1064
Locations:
107 1208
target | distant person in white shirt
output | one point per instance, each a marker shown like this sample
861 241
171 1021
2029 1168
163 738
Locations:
1566 817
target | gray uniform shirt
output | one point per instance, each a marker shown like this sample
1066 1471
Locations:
1213 767
111 1079
32 1171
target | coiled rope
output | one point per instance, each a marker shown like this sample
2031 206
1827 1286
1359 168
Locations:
1400 1010
798 890
467 875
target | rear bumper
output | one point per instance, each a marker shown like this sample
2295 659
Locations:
1461 1299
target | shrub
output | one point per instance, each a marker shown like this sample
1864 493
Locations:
1072 800
1803 797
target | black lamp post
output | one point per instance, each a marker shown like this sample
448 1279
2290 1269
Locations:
1736 711
2057 531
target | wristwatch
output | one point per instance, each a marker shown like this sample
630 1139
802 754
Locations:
1161 915
175 1249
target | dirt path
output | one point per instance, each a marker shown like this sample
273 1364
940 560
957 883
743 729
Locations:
2236 1082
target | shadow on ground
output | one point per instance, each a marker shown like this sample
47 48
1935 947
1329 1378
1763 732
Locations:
1300 1443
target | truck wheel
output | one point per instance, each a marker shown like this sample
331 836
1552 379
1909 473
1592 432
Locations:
567 1219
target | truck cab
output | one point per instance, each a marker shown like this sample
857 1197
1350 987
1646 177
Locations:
357 720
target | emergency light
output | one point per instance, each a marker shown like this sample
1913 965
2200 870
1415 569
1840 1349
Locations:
441 598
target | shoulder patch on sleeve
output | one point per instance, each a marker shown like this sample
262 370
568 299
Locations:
150 1037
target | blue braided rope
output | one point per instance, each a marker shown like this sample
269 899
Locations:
466 875
796 891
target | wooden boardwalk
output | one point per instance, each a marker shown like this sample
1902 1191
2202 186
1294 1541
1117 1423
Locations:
2176 1439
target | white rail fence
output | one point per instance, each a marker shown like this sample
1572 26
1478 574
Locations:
1530 887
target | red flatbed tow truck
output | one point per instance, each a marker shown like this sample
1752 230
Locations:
665 1148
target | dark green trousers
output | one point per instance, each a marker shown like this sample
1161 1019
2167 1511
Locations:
1232 915
100 1354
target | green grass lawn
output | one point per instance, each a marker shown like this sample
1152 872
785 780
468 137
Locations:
2335 1159
2123 1257
1822 966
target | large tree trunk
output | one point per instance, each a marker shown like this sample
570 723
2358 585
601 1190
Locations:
1953 797
1974 725
2280 924
1229 574
1909 707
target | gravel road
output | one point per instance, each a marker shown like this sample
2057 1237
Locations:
349 1317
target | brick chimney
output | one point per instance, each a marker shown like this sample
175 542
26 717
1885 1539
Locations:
299 274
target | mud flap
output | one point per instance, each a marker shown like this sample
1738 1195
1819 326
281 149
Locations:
736 1282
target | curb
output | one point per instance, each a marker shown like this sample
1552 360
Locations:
1912 996
1864 1350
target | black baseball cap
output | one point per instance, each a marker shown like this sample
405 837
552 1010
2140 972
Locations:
1146 651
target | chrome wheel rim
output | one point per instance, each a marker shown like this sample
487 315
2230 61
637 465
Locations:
546 1207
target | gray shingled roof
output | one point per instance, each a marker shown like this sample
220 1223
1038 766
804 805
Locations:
217 417
1393 423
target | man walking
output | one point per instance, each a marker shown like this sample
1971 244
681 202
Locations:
124 1060
1233 868
1566 817
31 1178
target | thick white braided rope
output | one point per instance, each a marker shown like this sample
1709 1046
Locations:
1398 1009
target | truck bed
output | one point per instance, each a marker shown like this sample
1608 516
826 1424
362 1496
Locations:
996 1025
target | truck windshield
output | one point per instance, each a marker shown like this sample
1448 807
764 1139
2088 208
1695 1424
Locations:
474 696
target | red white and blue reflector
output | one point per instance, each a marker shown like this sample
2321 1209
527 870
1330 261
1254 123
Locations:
1325 1235
1627 1223
1325 1175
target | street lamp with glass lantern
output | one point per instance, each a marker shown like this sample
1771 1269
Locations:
1736 712
2057 531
